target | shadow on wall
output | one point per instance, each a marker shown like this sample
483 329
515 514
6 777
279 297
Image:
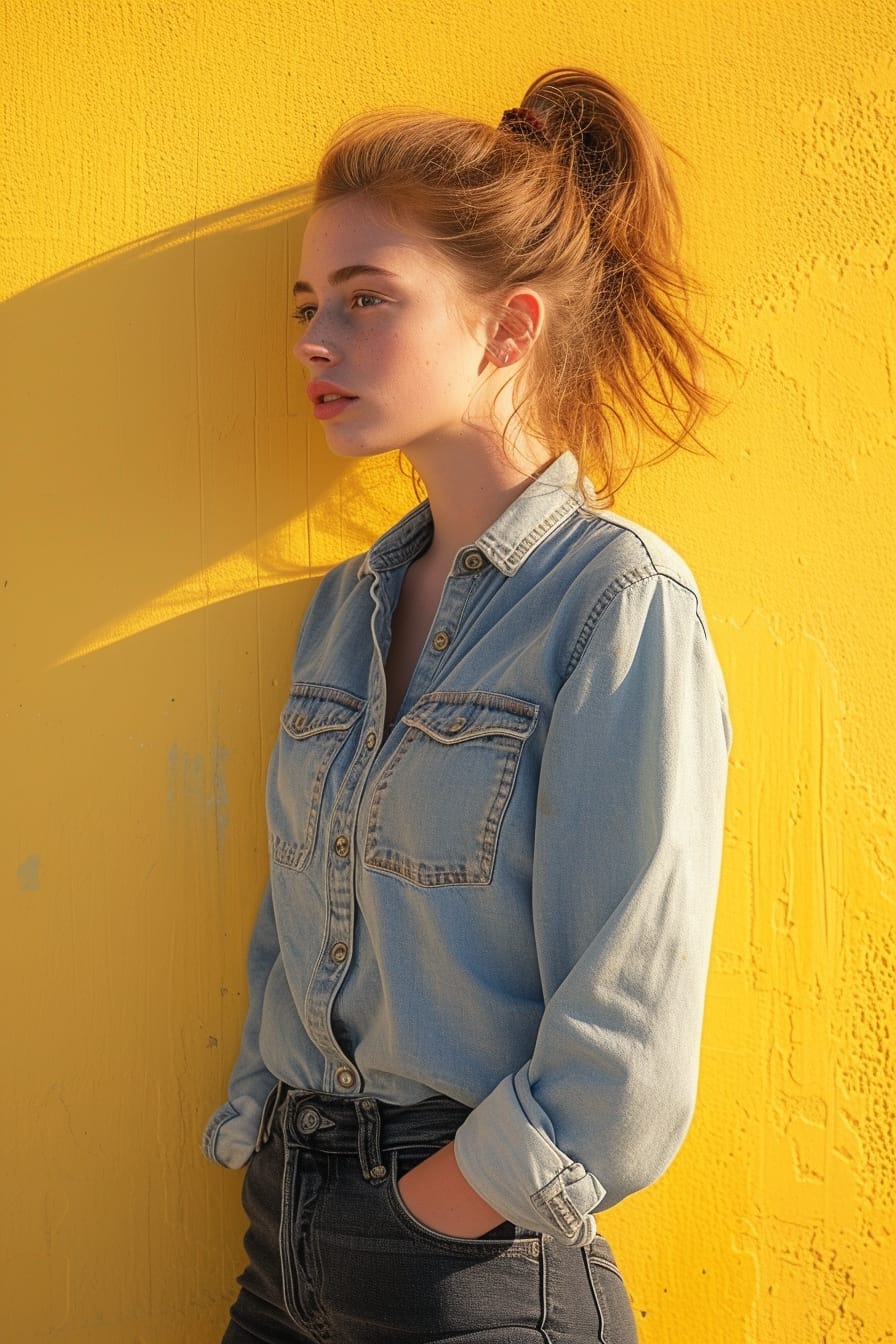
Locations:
161 434
169 506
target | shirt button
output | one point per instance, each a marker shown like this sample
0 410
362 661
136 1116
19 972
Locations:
440 640
456 725
370 741
345 1078
472 560
339 952
340 845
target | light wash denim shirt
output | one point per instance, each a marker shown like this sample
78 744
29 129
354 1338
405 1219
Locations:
507 898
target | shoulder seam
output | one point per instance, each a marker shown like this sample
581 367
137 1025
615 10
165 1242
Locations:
632 530
622 583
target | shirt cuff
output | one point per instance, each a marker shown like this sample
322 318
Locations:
231 1133
516 1167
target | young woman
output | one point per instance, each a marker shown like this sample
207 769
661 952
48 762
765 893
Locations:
495 802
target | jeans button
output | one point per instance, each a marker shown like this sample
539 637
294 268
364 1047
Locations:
309 1120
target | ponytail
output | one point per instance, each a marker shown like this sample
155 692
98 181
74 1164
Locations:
570 194
647 360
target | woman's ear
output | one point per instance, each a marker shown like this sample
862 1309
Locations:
518 324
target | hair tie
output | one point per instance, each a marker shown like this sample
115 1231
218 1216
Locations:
521 121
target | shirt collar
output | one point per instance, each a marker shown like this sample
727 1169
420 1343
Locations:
550 499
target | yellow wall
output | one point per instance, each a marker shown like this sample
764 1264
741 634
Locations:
167 508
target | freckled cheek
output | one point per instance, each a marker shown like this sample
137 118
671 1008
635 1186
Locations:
414 372
403 367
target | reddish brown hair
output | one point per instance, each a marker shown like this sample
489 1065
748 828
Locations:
572 196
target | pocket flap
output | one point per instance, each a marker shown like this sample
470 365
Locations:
319 709
457 716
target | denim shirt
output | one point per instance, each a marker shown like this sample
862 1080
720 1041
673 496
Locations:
507 897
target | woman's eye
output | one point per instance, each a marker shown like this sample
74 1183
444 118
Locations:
367 300
304 314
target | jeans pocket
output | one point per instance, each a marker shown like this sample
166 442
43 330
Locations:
304 1174
503 1239
617 1320
437 806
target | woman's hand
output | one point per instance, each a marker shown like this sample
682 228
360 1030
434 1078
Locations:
439 1196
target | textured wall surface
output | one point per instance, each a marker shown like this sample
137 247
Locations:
167 508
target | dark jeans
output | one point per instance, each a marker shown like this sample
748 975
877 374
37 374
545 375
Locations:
336 1258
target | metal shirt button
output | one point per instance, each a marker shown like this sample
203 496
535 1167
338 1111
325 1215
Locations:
456 725
370 741
341 846
473 560
339 952
440 640
309 1120
345 1078
377 1173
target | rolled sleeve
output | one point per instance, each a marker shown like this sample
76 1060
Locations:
514 1164
230 1135
627 852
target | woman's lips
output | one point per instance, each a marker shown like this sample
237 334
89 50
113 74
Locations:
328 399
325 410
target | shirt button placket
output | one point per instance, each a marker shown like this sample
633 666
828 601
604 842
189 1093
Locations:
339 900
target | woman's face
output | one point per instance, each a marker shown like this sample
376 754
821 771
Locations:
395 358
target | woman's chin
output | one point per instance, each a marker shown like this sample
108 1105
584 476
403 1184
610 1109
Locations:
351 446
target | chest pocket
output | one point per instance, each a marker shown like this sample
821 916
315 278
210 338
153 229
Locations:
436 809
314 726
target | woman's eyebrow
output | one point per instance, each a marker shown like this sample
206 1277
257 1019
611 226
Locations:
344 273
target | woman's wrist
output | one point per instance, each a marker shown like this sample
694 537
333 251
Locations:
438 1195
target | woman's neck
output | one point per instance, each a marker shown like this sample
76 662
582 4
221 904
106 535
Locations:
470 486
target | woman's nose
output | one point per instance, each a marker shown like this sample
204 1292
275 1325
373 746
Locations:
312 349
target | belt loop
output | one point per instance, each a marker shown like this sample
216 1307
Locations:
268 1111
368 1113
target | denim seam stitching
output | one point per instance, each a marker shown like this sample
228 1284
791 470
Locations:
514 557
621 585
226 1113
290 1300
429 875
478 1248
552 1200
295 854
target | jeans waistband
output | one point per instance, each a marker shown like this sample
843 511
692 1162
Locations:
365 1126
